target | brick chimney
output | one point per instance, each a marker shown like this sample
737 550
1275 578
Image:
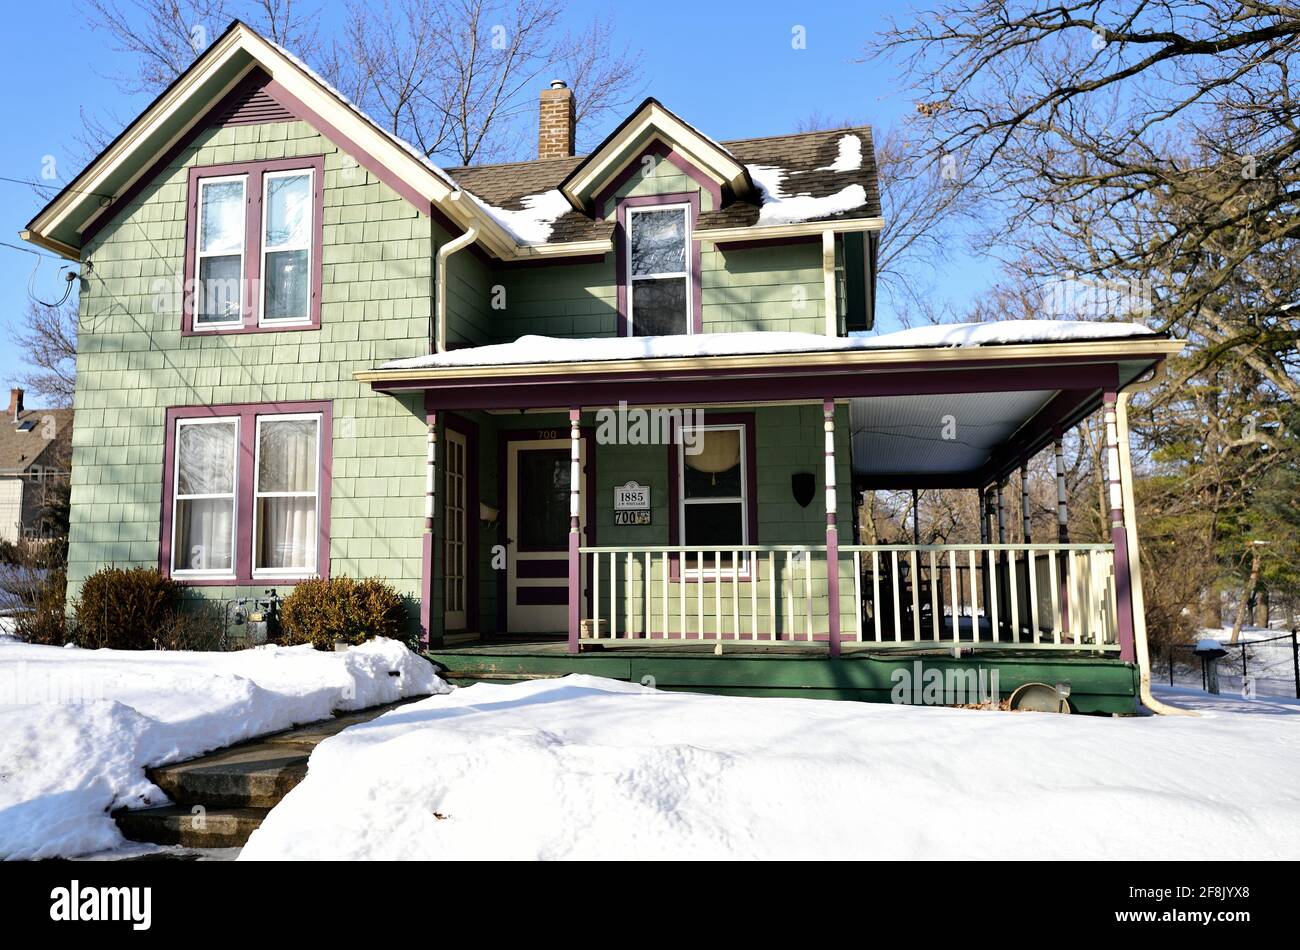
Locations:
15 403
556 122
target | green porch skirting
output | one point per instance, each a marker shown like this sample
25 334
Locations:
1097 684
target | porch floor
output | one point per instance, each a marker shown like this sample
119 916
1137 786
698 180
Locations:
1098 684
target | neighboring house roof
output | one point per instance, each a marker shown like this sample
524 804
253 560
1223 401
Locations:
791 184
25 443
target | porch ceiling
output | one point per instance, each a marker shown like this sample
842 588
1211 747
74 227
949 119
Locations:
945 434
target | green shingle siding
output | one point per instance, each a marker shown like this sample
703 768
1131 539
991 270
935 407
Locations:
133 363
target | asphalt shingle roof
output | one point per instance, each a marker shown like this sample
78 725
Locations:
22 445
805 156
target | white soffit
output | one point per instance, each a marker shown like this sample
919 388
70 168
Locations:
938 434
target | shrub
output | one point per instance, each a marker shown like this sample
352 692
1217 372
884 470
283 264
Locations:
323 612
42 618
125 609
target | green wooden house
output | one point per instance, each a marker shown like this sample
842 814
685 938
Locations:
605 413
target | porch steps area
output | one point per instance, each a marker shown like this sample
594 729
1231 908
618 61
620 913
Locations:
1097 684
220 799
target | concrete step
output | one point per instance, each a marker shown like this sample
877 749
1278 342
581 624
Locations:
179 824
253 775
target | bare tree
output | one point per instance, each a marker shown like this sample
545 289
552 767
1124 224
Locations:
1141 141
47 339
454 77
923 211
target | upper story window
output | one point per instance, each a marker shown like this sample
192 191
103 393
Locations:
253 246
286 247
659 278
220 253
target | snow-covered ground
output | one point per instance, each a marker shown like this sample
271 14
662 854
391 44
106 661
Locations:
78 727
591 768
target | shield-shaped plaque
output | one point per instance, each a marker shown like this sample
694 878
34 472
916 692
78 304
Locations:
803 485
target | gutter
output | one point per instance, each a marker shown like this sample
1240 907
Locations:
439 341
1135 556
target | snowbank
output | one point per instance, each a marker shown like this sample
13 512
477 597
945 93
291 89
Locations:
78 727
590 768
546 349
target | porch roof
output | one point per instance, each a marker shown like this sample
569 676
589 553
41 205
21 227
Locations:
1009 386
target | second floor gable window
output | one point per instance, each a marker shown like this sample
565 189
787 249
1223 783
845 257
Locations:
254 246
220 300
658 270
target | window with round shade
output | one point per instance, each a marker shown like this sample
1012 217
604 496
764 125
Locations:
714 495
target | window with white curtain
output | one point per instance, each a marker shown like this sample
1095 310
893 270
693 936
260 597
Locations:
658 271
286 247
286 495
714 500
204 496
220 253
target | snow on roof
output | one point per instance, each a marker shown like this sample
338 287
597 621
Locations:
531 224
849 158
545 349
778 207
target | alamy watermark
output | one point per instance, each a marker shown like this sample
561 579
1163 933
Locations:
633 426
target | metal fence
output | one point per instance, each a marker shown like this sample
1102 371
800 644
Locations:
1269 667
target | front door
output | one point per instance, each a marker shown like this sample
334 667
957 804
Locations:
455 523
537 530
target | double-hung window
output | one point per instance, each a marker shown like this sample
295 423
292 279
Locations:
205 497
287 493
659 278
286 247
219 296
254 237
248 492
714 493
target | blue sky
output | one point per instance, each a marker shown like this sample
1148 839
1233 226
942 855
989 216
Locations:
734 74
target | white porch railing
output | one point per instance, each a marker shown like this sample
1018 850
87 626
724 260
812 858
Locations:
1044 596
1024 596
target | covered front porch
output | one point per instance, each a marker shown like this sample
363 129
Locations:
782 577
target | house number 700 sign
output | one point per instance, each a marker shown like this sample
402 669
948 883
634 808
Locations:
631 504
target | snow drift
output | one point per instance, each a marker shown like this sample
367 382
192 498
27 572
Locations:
591 768
78 727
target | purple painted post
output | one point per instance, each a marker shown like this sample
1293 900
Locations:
832 533
1119 535
575 529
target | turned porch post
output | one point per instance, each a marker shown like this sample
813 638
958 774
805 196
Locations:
1062 505
1025 527
1062 531
427 542
1119 535
575 528
832 533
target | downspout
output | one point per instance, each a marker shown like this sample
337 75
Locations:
1135 557
439 340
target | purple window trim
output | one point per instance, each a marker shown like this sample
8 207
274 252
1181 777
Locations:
692 200
469 430
747 419
661 150
248 414
255 173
